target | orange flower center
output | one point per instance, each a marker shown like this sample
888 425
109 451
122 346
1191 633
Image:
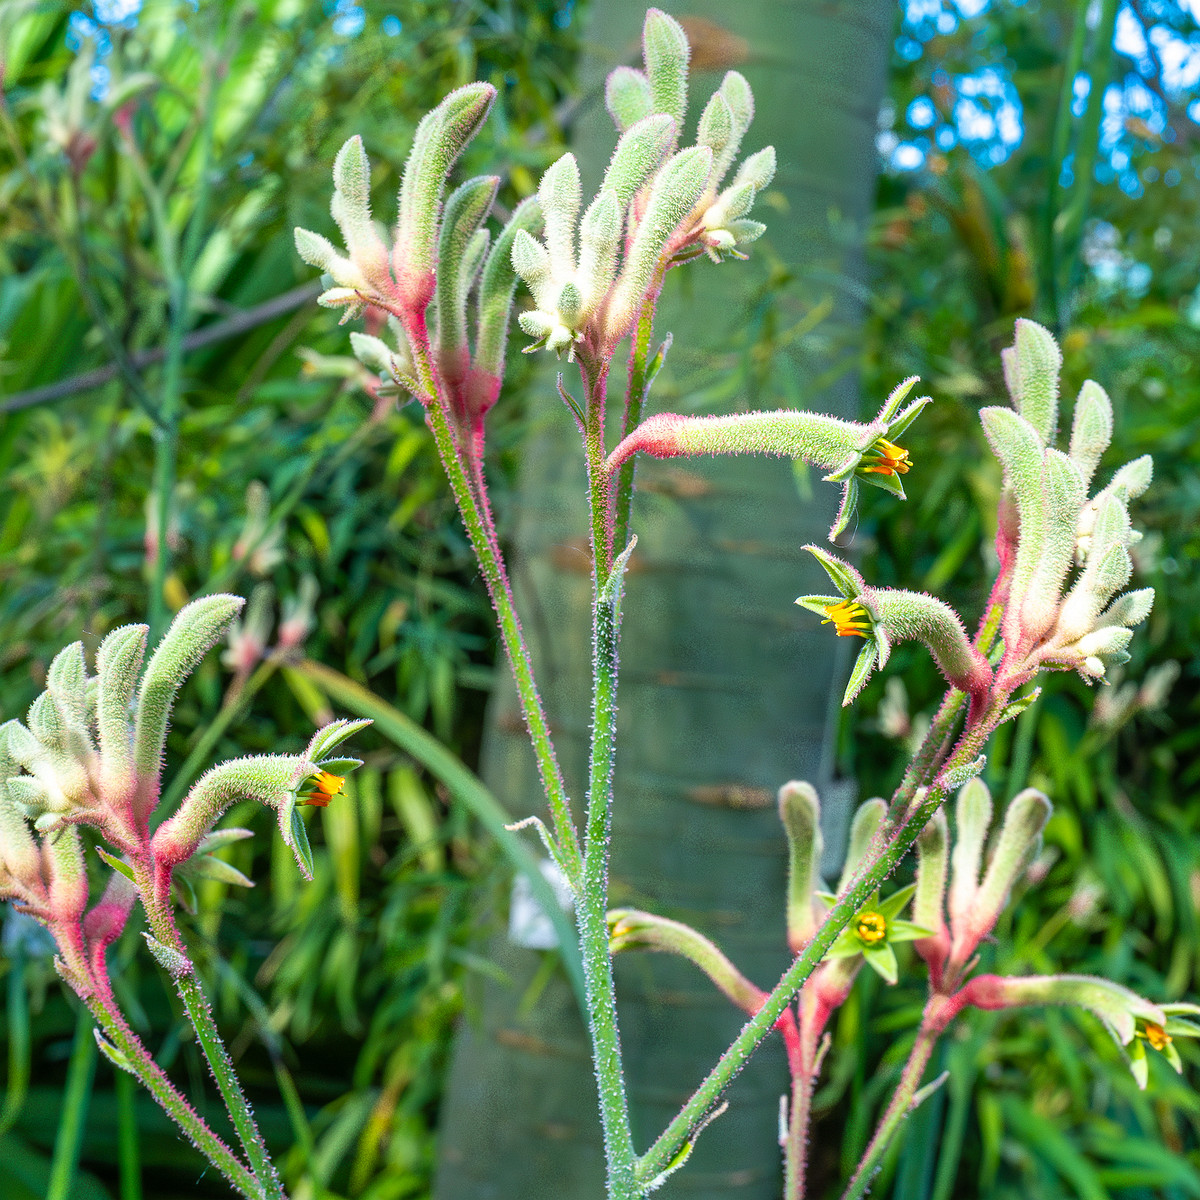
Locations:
886 459
321 788
848 619
871 928
1157 1036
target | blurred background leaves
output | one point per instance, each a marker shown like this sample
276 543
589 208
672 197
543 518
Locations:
1005 191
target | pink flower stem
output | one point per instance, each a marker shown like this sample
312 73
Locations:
108 1016
476 516
154 886
903 1101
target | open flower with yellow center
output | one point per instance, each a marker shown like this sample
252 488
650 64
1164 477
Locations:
320 788
871 927
848 619
875 930
1162 1038
884 458
883 616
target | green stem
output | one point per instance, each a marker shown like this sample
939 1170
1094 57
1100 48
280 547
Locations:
881 859
462 784
593 903
482 536
154 888
128 1157
635 400
73 1115
155 1081
897 1111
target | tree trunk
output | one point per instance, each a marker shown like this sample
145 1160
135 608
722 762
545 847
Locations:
727 689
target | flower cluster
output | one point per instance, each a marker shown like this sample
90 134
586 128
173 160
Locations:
439 257
89 753
656 204
963 914
1064 558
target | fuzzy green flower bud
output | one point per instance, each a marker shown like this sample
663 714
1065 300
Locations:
851 452
631 929
883 616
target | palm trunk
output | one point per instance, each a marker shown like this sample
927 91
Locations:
727 690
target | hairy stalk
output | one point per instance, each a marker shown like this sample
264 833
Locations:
635 400
103 1008
795 1149
898 1108
600 495
593 902
882 857
487 553
154 888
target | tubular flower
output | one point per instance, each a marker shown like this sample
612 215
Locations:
851 451
883 616
320 788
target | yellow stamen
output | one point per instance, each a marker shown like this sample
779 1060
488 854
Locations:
871 927
886 459
322 787
848 619
1157 1036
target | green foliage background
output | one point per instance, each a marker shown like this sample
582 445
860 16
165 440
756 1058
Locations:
341 996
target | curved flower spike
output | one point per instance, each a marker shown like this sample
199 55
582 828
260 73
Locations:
883 616
800 812
631 929
280 781
1132 1020
851 452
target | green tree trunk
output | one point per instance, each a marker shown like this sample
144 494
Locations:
727 689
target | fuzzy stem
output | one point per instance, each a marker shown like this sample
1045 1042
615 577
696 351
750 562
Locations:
593 901
882 857
481 532
795 1150
898 1109
600 494
154 886
103 1008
